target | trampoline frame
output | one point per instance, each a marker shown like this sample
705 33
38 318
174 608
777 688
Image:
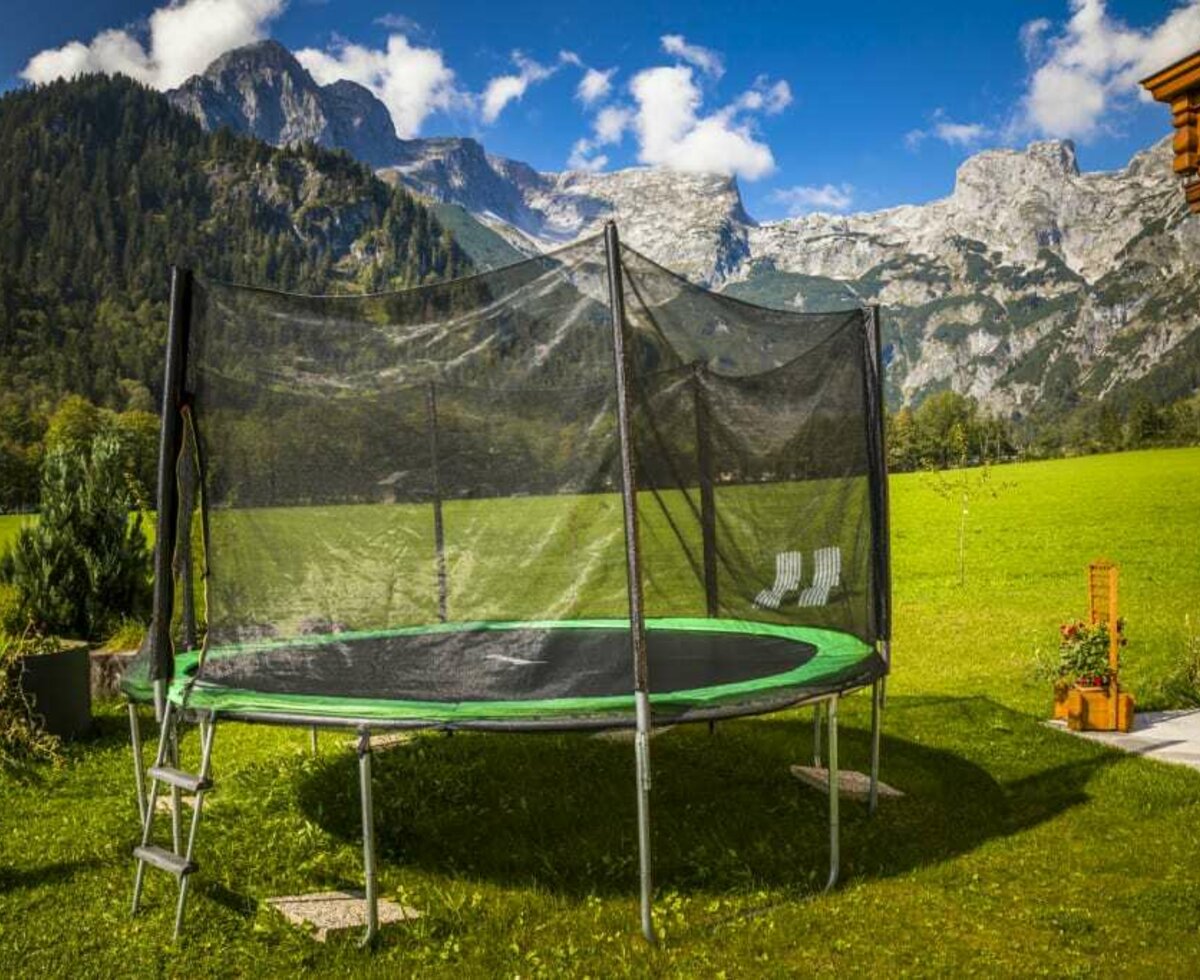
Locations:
161 654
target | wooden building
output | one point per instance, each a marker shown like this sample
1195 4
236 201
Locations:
1178 85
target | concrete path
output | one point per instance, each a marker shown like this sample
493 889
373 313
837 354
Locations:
1168 736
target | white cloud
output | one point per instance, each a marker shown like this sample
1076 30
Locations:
1090 68
400 23
580 158
611 123
672 133
594 86
765 96
503 89
412 82
962 135
1033 38
181 40
807 198
608 127
708 61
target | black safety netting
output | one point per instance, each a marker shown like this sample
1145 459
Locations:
371 466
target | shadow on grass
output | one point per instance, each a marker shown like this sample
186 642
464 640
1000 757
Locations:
56 873
557 811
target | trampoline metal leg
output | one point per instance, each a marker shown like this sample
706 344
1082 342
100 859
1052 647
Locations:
817 735
834 796
312 740
139 770
642 752
368 823
176 793
876 725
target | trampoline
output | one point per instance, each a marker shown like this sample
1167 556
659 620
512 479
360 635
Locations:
570 674
549 497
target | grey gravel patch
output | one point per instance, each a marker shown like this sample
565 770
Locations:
1168 736
163 803
853 785
324 913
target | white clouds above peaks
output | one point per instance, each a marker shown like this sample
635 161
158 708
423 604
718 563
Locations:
595 86
672 131
1090 67
503 89
666 117
180 40
962 135
808 198
411 81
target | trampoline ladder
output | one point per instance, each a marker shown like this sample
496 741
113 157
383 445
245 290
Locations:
177 860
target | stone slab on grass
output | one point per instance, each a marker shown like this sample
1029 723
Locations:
627 734
388 740
853 785
1168 736
323 914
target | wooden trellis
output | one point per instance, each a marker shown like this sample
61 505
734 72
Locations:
1104 709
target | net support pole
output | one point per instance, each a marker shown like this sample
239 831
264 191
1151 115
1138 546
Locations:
881 575
170 438
368 825
439 527
637 619
708 509
878 478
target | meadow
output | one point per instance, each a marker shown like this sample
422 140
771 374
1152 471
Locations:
1017 849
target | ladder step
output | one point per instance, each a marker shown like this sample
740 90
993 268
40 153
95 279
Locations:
165 860
177 777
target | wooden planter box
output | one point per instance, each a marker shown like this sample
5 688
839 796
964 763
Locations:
58 686
1094 709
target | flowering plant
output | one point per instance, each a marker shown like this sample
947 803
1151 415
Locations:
1083 653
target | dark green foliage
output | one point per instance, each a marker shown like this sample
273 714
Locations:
103 184
84 564
947 429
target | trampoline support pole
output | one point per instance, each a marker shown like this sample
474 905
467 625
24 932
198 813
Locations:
817 735
139 768
642 742
876 725
368 823
835 793
312 740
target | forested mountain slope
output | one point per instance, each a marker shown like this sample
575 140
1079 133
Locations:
104 184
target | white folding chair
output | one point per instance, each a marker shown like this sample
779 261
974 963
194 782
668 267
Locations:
827 576
787 580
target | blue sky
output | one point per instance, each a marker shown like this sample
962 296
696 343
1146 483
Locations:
809 105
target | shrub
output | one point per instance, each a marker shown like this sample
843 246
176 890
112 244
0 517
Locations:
84 565
22 739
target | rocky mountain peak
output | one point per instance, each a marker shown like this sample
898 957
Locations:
259 57
1057 154
261 89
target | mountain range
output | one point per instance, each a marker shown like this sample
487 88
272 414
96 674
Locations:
1033 287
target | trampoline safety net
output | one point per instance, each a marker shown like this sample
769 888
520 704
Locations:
444 461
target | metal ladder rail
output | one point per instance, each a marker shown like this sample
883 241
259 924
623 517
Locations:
178 862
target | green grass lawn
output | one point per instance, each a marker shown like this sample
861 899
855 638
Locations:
1017 849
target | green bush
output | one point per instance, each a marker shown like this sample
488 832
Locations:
84 565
